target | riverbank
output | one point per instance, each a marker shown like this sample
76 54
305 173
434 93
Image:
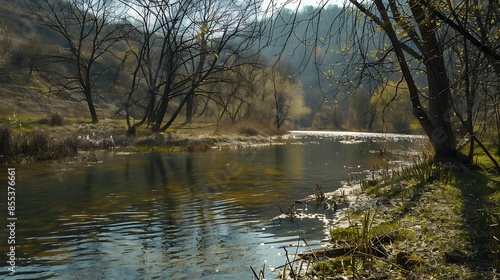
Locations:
25 139
429 222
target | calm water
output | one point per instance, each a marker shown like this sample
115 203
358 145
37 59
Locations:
183 215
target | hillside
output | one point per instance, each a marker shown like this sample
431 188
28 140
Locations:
24 92
39 76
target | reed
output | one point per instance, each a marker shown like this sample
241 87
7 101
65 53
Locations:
319 193
260 275
41 145
421 170
362 240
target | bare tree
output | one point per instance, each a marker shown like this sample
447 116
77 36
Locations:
280 76
89 30
419 44
181 44
231 94
413 32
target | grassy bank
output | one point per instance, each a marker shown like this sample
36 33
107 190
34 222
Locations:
25 139
428 222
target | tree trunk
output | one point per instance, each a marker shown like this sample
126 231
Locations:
189 108
177 111
436 124
197 75
159 114
442 136
90 103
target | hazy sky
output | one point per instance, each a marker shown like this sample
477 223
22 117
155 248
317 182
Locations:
294 3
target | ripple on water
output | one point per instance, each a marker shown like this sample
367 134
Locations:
116 221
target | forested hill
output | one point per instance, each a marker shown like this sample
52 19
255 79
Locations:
38 74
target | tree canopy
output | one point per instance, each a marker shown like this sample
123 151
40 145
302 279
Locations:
337 67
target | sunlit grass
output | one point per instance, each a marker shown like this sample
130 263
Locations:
430 211
19 124
482 160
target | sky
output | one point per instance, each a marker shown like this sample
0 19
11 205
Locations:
292 4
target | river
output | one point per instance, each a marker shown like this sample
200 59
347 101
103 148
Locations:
185 215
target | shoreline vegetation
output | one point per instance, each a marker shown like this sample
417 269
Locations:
27 140
428 221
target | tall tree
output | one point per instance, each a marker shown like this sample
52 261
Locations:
88 29
422 36
181 45
412 32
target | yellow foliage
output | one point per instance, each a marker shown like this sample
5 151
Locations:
393 107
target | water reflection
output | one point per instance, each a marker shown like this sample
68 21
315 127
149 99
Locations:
180 216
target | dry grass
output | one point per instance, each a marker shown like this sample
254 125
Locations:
252 128
26 139
22 147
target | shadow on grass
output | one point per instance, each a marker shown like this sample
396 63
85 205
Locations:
481 204
475 198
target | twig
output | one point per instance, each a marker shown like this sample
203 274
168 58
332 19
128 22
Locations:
254 273
292 273
309 247
294 261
